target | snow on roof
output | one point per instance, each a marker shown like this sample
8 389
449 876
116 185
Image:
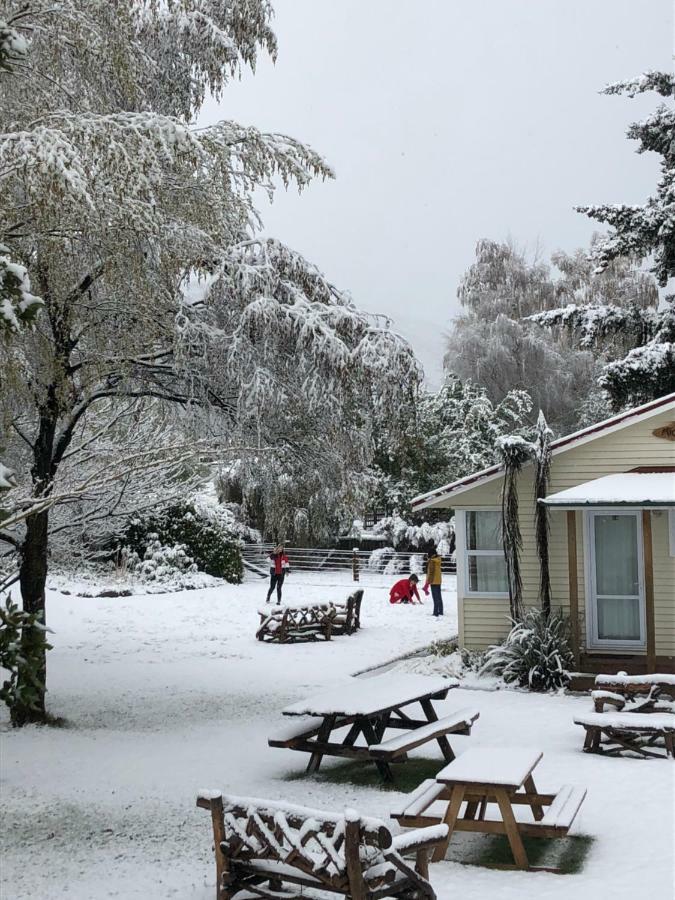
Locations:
622 489
367 696
431 498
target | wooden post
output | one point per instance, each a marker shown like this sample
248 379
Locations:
573 583
357 890
218 820
355 564
649 588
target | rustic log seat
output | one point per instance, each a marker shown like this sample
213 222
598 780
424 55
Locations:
272 850
634 732
459 722
287 624
348 614
635 693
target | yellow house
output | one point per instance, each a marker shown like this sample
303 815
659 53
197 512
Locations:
611 504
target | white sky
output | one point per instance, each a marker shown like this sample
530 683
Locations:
447 121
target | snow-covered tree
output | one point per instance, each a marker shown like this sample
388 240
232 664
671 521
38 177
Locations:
498 341
116 205
646 367
449 433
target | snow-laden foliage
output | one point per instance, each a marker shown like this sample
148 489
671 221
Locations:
403 535
647 370
161 562
116 205
18 307
13 43
446 435
182 537
23 643
504 341
646 231
536 653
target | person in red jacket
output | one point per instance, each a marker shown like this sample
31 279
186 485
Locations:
404 590
279 569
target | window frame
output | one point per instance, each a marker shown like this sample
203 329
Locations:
468 552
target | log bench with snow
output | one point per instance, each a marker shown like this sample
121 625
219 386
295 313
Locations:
287 624
363 710
276 850
635 693
631 732
487 777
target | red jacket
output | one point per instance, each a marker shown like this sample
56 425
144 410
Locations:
279 563
403 590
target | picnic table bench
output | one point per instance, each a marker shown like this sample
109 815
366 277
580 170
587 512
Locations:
491 776
287 624
632 713
275 850
363 710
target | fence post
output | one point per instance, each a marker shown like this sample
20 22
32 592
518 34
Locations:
355 564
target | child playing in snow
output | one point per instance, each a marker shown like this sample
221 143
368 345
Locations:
433 580
279 569
404 590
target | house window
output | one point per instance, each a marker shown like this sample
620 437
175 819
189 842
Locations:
485 563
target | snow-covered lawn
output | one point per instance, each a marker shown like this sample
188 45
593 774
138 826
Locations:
166 694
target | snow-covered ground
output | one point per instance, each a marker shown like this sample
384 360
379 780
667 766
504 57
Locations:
166 694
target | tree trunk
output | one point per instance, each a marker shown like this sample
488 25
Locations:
33 580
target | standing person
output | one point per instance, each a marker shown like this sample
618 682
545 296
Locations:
434 579
279 569
404 590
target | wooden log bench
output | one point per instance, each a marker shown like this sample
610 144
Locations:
348 614
635 693
288 624
459 722
275 850
633 732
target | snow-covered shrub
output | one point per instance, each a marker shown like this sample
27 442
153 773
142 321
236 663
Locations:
405 536
204 537
379 558
535 654
23 644
394 566
161 562
416 564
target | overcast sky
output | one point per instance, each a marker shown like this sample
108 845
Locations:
447 121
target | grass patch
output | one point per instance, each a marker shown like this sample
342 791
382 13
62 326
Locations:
566 855
407 776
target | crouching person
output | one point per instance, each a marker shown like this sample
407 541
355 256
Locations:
405 590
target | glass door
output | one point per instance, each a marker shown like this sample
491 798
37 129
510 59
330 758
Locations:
616 575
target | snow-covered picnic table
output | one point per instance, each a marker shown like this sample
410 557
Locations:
499 776
363 709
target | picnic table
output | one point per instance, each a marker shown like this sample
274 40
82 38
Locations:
496 776
363 709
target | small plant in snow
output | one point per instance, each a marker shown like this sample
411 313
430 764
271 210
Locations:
535 654
23 644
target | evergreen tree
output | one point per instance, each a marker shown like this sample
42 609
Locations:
646 368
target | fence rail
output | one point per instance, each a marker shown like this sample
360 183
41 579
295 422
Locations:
384 560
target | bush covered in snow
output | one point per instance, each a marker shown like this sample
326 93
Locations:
194 532
535 654
161 563
404 536
23 643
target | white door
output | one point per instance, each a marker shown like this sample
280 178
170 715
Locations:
616 610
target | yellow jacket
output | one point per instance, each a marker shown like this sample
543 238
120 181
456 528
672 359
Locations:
434 570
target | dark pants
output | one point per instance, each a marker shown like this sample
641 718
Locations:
437 598
275 581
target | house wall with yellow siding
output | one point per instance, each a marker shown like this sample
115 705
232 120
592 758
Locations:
484 620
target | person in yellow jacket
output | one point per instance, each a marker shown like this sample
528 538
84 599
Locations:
434 579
